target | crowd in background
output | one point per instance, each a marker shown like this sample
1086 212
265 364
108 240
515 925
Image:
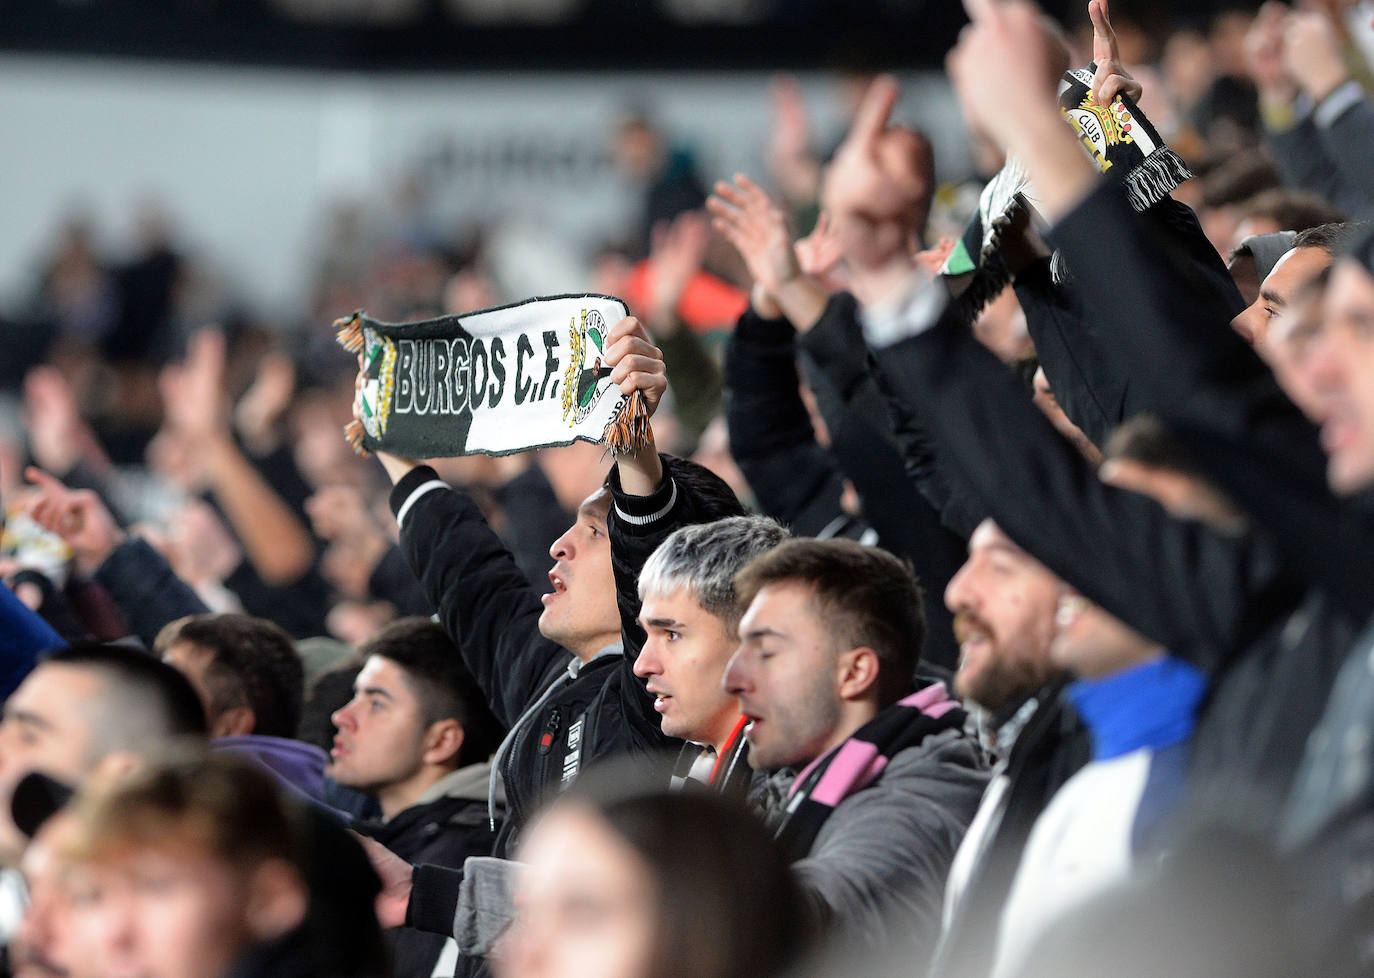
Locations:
1107 710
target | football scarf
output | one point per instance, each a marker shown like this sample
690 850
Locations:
510 379
1118 138
859 761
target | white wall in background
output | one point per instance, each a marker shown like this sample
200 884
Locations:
246 159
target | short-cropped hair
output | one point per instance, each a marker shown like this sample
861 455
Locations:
143 702
445 688
704 559
865 596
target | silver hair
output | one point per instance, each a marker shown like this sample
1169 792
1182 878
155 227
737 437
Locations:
705 557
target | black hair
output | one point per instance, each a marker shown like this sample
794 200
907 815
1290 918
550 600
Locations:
253 664
446 689
1331 238
1360 245
714 499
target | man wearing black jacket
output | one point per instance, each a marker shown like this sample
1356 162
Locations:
801 483
1263 452
1004 602
1004 599
552 668
557 669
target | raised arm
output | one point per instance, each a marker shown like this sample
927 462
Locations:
275 540
138 579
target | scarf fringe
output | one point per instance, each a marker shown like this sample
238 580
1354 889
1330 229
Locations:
354 432
1153 180
987 283
348 331
629 430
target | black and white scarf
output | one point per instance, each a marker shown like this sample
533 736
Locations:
1122 143
503 380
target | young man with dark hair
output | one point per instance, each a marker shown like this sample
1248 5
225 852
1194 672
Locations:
1311 255
417 736
873 784
250 679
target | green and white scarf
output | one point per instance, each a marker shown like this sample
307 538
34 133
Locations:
498 381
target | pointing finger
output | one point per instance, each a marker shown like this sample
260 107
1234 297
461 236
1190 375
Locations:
875 108
1104 38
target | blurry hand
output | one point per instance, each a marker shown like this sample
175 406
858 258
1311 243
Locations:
77 516
676 255
931 260
1312 53
756 227
397 877
819 253
263 404
193 396
1006 67
879 171
57 434
1264 53
794 168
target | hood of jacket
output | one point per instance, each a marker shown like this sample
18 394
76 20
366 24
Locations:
299 765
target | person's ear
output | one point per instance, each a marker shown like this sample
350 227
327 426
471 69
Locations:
858 673
443 740
237 721
277 900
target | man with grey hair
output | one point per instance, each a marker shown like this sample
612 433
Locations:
690 617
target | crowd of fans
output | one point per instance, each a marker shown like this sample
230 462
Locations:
990 601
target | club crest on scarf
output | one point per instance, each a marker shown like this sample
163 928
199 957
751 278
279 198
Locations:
1100 127
379 379
583 383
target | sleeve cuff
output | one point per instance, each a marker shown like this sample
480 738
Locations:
434 894
909 311
643 510
418 481
1336 104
